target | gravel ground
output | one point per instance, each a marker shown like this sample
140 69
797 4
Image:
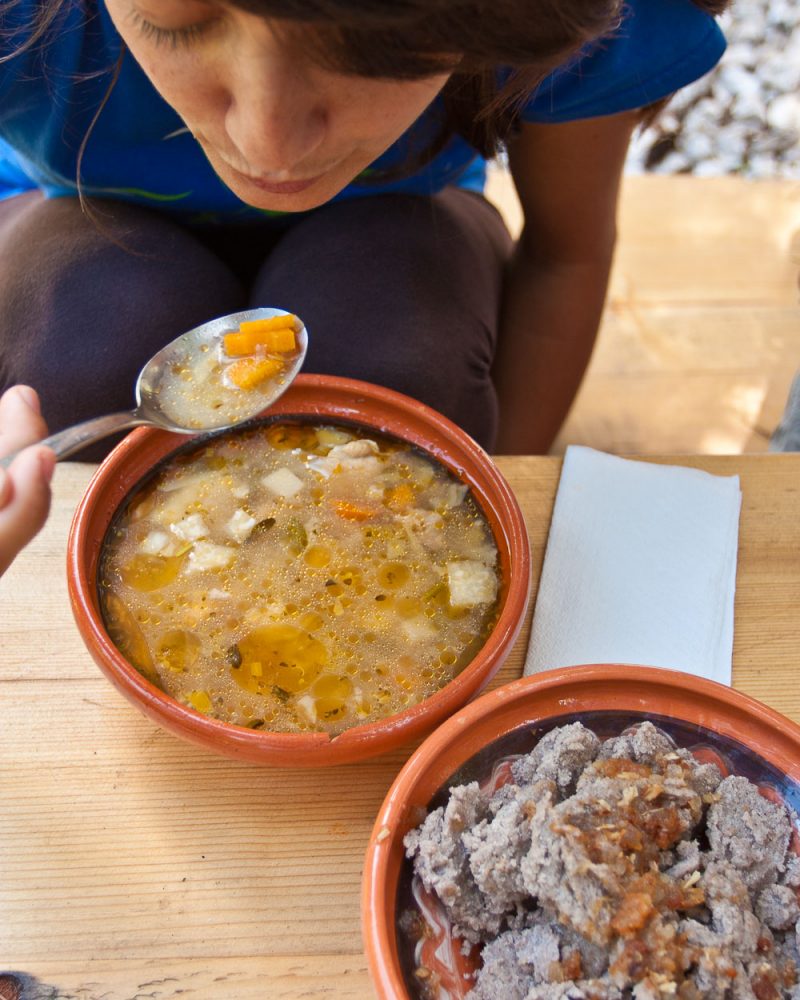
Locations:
742 118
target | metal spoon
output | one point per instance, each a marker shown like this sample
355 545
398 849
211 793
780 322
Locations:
160 383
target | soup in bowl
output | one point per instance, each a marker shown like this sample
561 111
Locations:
320 586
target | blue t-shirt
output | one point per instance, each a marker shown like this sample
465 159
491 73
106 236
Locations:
140 151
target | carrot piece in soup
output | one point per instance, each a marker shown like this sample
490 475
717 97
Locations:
280 341
237 344
400 496
273 323
251 372
353 512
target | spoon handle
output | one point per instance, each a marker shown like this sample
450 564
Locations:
72 439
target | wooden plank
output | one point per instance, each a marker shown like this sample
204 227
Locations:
696 239
686 379
252 978
681 413
34 592
707 240
730 338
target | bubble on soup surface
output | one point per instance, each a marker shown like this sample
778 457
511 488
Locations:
178 650
393 575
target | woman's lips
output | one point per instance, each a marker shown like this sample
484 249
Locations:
276 187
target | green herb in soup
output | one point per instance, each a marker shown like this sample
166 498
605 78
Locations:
299 578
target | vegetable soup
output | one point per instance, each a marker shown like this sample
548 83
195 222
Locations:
297 577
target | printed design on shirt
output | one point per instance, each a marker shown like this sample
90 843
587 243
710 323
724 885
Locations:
132 192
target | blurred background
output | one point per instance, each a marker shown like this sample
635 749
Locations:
701 336
744 117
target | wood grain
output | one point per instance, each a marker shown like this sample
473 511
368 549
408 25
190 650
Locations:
134 865
701 334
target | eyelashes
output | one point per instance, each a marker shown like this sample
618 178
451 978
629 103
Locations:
170 37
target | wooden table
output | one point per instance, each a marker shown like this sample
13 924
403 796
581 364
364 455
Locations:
133 865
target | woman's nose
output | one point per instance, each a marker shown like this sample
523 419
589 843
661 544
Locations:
275 117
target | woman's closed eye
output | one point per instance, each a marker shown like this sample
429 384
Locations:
172 37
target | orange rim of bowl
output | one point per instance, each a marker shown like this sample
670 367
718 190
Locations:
331 399
562 691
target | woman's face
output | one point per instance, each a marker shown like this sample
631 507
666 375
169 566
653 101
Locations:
280 131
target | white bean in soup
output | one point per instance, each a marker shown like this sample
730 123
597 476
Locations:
233 377
299 577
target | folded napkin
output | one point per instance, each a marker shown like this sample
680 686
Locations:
640 568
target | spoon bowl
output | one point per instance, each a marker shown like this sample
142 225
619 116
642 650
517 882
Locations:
168 394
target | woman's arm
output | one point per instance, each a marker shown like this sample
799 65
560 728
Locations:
567 177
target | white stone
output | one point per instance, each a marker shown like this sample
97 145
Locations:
778 75
751 110
698 146
673 163
771 142
710 168
784 113
668 121
738 80
779 12
741 54
732 142
762 165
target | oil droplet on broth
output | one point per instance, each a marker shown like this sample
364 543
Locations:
281 656
317 556
146 572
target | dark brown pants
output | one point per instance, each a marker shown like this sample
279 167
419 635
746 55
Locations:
399 290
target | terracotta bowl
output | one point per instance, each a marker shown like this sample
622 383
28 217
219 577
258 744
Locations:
331 400
717 723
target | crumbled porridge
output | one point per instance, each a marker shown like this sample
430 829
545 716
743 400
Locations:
617 869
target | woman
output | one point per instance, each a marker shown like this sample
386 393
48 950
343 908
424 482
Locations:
325 156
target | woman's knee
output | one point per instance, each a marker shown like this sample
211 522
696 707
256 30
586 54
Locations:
400 291
85 303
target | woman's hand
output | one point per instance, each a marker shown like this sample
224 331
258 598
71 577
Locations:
25 484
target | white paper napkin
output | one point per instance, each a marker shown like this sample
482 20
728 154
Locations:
640 568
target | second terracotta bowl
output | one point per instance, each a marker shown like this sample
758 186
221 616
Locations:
716 723
328 400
